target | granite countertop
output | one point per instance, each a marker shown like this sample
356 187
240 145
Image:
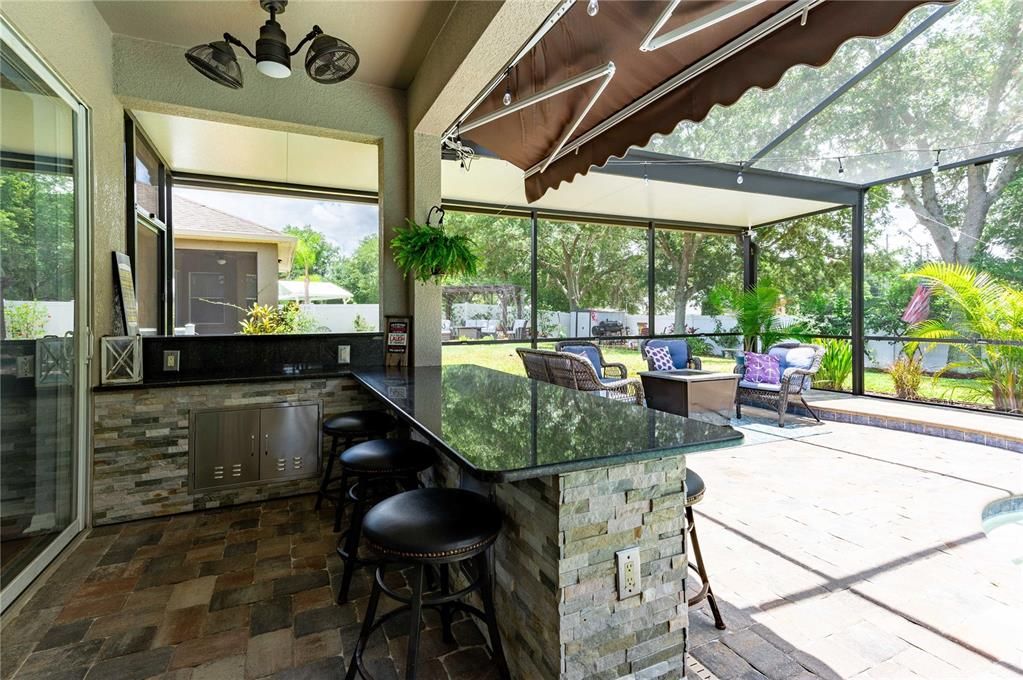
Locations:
500 427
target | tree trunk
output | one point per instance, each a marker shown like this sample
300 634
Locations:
307 285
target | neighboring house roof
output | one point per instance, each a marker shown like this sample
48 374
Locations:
318 290
197 221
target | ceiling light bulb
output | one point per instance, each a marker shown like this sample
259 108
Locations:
592 8
506 99
738 178
273 69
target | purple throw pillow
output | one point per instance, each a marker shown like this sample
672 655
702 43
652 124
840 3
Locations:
762 368
661 358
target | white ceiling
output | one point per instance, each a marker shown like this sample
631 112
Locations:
210 148
392 37
499 183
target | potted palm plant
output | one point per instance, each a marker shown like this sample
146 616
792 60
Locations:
427 252
985 309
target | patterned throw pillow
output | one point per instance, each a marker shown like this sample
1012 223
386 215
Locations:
762 368
661 358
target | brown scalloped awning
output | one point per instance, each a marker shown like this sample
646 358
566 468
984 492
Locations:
579 43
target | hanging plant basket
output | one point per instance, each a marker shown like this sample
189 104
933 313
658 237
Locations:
427 253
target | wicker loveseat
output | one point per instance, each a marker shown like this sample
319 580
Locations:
588 350
798 363
681 357
576 372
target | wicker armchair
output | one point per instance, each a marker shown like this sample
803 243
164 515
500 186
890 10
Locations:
799 363
681 357
575 372
589 350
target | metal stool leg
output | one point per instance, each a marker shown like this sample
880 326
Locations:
342 498
445 610
352 548
327 472
415 620
487 595
367 626
719 622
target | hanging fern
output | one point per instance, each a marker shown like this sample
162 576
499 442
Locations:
426 252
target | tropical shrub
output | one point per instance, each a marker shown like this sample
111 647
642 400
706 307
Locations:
907 373
982 308
836 364
756 313
26 321
280 319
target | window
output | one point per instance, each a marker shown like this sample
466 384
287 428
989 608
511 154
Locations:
148 230
287 263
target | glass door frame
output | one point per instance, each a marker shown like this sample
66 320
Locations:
82 431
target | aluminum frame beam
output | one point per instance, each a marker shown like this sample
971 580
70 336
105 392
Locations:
652 41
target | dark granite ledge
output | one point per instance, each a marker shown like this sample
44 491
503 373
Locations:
213 379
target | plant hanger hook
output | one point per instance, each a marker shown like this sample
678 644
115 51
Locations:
429 215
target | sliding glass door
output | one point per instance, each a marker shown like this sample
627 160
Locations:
43 280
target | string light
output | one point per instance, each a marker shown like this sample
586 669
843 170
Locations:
937 158
841 169
738 178
592 8
507 98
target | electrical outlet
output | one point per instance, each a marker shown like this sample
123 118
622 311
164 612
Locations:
171 360
344 354
629 579
26 367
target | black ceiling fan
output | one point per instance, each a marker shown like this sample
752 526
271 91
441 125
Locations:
329 59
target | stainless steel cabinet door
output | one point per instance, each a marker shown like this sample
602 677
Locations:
225 448
289 440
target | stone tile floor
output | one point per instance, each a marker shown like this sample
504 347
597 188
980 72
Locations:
244 592
847 551
836 551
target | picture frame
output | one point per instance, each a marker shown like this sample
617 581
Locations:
397 340
126 305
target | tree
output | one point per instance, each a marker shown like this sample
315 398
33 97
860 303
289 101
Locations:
688 265
314 254
359 273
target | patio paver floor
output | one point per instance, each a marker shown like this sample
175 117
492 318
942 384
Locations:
836 551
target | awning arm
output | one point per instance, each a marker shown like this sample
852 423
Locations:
751 36
652 41
605 71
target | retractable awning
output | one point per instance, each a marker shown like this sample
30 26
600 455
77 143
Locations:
595 85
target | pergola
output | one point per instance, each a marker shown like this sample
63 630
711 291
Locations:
759 180
507 293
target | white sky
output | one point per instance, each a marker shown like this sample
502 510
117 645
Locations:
344 224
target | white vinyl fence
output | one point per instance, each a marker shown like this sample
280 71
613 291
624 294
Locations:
339 318
60 315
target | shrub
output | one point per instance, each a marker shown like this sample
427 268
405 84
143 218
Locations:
907 372
281 319
836 364
26 321
362 326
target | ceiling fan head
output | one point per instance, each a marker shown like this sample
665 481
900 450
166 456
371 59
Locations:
216 61
330 60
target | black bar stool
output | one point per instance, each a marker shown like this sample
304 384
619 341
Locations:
695 489
426 529
376 470
348 427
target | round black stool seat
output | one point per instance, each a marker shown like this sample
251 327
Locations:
694 487
352 422
387 456
432 524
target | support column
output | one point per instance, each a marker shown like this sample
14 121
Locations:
858 344
424 298
651 292
533 282
749 261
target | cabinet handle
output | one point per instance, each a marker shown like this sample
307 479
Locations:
266 449
252 445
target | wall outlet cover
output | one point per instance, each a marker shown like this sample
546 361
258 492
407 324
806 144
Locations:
344 354
172 360
26 367
629 577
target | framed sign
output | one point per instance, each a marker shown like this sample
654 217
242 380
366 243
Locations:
398 340
126 305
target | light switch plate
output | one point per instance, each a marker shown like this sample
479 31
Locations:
171 360
344 354
629 579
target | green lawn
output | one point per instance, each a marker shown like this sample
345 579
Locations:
504 358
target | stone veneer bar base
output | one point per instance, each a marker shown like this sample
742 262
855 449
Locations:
557 601
140 441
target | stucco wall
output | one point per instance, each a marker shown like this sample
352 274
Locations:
75 41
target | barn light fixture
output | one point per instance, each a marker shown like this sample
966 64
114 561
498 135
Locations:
329 59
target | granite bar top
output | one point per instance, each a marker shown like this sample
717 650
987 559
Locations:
215 377
500 427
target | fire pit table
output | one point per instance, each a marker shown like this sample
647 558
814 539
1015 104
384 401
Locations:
691 393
